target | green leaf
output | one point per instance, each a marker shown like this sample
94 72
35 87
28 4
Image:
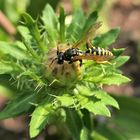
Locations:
118 52
29 21
74 123
84 90
115 79
14 50
89 30
111 132
93 73
94 79
8 67
119 61
97 136
91 20
98 108
106 39
76 26
19 105
14 9
131 123
62 24
65 100
126 119
93 105
84 135
25 33
34 31
99 94
105 98
50 21
29 42
40 117
128 104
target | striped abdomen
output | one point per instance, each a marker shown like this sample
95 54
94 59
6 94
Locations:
99 55
99 51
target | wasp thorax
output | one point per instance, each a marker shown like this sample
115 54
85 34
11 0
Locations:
56 67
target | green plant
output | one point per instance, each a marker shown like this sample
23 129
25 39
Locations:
52 97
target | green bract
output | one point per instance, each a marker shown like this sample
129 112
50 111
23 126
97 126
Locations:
47 98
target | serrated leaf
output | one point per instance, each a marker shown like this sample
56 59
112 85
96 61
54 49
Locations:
8 67
28 20
89 30
51 23
34 31
25 33
115 79
105 98
40 118
14 51
84 90
91 20
19 105
29 41
119 61
95 79
93 105
76 26
106 39
65 100
49 17
20 45
93 73
118 52
98 108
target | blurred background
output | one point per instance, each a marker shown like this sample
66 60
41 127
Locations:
113 13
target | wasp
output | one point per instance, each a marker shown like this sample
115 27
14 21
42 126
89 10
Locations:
59 61
72 54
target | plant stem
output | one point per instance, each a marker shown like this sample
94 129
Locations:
62 25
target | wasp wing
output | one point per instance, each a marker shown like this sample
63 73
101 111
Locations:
88 35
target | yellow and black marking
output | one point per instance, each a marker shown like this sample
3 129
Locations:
98 51
100 55
71 55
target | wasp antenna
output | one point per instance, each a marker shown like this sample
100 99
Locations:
87 45
57 49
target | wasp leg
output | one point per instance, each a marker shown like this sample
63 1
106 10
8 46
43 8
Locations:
80 62
52 62
89 45
104 62
70 62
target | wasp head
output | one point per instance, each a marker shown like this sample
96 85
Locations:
60 57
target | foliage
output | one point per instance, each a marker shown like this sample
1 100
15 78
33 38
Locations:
53 101
126 120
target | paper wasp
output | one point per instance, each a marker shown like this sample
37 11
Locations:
73 53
